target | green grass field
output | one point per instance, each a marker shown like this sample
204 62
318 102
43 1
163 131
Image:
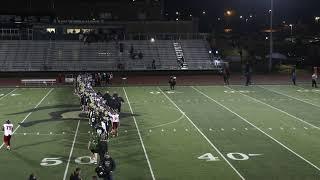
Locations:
194 133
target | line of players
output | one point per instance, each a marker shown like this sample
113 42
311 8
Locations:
103 115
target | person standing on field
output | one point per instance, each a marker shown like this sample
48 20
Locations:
8 131
294 75
314 80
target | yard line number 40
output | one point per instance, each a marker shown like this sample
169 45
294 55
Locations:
233 156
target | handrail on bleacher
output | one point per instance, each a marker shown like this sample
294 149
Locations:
38 81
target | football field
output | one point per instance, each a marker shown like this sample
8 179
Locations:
267 132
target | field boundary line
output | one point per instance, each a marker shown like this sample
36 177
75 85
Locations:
275 108
275 140
8 93
204 136
26 117
139 134
71 151
277 92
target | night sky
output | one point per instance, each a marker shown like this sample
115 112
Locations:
290 10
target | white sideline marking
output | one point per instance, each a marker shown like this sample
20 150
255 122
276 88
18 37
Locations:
275 140
71 151
25 118
8 94
142 144
289 96
204 136
284 112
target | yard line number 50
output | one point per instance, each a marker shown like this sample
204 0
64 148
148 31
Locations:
84 160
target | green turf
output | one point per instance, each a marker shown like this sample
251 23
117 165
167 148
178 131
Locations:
258 132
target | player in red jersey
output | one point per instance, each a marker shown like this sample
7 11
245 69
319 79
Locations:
8 131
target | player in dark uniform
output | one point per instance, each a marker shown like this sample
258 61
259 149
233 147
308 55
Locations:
106 166
103 144
172 82
117 102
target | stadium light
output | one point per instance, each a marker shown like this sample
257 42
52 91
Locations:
271 35
291 29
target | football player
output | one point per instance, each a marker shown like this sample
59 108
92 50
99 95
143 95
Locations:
8 131
93 147
115 123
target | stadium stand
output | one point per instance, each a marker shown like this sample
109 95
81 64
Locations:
29 55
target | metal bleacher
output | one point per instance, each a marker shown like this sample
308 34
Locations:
28 55
196 54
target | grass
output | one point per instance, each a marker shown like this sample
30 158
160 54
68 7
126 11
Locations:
257 132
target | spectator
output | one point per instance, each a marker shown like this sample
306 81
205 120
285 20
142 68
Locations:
76 175
131 50
153 65
140 55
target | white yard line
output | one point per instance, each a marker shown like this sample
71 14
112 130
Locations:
25 118
141 141
8 94
289 96
203 135
310 89
275 140
71 151
284 112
